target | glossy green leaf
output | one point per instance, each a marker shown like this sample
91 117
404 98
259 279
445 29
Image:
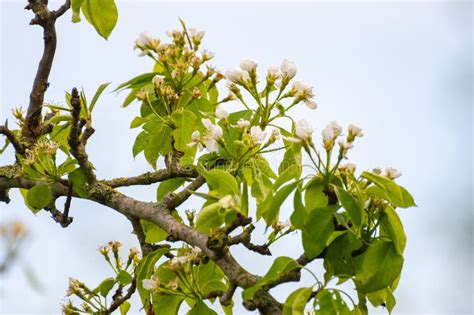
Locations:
167 304
137 82
210 216
378 267
395 193
270 213
124 307
97 94
329 303
76 10
124 277
314 196
299 214
317 229
79 182
280 265
39 196
184 121
200 308
222 182
159 142
153 233
140 143
209 277
354 209
296 301
105 286
102 14
392 226
145 270
169 185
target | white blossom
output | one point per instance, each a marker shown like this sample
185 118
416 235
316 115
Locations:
221 113
311 104
377 170
288 69
243 123
258 135
355 131
143 40
227 202
392 173
150 284
303 130
348 167
327 134
236 75
345 146
273 72
303 90
248 65
158 80
215 131
195 140
337 130
196 35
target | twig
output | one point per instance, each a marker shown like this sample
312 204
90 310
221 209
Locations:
119 299
77 148
150 178
226 299
19 148
244 238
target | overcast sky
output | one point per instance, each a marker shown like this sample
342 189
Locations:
402 71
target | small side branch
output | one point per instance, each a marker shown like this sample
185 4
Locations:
19 148
149 178
119 299
77 146
244 238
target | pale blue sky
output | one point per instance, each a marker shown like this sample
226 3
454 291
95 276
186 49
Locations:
400 70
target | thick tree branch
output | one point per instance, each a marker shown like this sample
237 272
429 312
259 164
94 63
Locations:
32 128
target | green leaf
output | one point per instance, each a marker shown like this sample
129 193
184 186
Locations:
184 121
299 214
378 267
102 14
124 307
330 302
200 308
169 185
76 10
353 208
153 233
338 258
39 196
314 196
124 277
210 216
270 213
392 226
166 304
105 286
317 230
145 269
137 82
222 182
296 301
97 94
159 142
138 121
395 193
24 194
209 277
79 182
280 265
140 143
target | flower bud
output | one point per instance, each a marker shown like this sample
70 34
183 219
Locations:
288 70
